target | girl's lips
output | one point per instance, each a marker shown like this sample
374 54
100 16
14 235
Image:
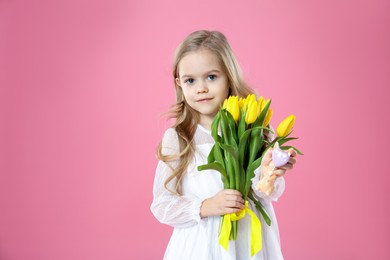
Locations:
203 100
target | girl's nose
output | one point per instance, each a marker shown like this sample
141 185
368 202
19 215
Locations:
202 88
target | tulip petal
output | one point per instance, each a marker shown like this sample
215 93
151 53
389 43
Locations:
286 126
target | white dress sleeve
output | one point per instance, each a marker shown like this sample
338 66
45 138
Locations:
168 208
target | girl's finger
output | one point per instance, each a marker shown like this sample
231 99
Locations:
292 152
235 204
287 166
292 160
231 210
232 192
279 172
234 198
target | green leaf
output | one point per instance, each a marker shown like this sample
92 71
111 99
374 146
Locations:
218 167
214 125
242 146
285 140
227 135
233 170
232 126
269 129
233 151
224 127
281 140
218 153
213 166
211 157
230 170
288 147
260 120
261 208
241 124
260 128
250 173
255 143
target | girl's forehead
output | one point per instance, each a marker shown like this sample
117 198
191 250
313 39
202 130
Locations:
198 62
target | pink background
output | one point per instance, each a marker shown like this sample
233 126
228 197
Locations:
83 86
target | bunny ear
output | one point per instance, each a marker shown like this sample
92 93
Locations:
276 145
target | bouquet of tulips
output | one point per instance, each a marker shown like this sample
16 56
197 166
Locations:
240 143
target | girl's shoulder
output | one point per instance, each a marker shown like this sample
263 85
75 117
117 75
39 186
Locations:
170 134
170 142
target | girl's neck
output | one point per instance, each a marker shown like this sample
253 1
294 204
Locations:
208 131
206 121
206 125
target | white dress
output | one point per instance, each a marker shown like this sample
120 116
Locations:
194 237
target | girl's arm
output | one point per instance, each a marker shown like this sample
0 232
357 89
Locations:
169 208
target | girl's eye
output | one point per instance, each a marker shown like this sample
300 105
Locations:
189 81
212 77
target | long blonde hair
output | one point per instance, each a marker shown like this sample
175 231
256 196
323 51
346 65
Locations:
186 118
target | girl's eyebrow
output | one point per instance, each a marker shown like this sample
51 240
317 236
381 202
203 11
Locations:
207 73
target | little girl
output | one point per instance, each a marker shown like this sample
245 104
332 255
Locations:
205 73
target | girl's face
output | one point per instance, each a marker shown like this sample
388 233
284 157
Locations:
204 84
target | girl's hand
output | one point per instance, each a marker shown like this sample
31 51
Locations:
224 202
266 183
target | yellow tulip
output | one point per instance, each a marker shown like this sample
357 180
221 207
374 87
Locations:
232 107
251 112
268 117
285 126
242 104
225 104
245 101
261 99
260 102
250 98
264 103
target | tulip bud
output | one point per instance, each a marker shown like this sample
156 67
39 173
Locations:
241 103
233 107
264 103
251 112
251 98
260 102
268 117
286 126
225 104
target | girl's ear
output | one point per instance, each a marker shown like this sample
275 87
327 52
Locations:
178 82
